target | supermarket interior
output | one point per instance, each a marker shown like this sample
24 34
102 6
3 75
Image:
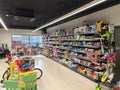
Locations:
60 45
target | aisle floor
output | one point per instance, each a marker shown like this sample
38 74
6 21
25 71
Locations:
58 77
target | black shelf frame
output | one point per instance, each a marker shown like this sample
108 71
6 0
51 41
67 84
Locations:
86 59
83 46
89 40
66 35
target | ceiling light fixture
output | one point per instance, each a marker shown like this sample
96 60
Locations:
6 15
32 19
76 11
3 24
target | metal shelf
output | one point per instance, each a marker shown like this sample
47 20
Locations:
66 35
53 36
52 40
92 40
86 59
74 70
84 46
81 64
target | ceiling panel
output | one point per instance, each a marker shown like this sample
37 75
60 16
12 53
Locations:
41 11
44 10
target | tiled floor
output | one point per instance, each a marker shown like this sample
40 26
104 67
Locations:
58 77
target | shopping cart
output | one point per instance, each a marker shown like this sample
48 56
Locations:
18 78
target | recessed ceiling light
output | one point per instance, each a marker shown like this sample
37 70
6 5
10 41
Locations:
6 15
74 12
16 18
32 19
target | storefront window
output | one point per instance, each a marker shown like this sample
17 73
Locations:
26 41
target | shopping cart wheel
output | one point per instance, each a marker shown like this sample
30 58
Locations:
39 73
1 81
6 75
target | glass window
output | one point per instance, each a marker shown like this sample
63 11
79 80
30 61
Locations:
35 41
26 40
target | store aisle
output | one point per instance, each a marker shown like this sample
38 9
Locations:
58 77
2 69
3 66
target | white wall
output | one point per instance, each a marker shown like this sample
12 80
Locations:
111 14
5 36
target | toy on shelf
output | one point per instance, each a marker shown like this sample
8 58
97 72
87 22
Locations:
82 29
74 65
47 52
107 78
82 37
106 34
111 60
56 33
91 29
117 86
101 26
69 64
88 72
103 29
94 75
81 69
64 60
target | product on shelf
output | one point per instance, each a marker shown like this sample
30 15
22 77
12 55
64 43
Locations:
74 65
101 26
82 37
81 70
92 29
84 49
88 72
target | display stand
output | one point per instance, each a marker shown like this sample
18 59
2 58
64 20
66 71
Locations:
83 49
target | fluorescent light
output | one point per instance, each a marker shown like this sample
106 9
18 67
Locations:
76 11
3 24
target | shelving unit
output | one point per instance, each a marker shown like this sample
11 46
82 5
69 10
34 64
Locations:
81 51
74 70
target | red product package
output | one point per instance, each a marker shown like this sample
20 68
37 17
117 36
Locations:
9 57
116 88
